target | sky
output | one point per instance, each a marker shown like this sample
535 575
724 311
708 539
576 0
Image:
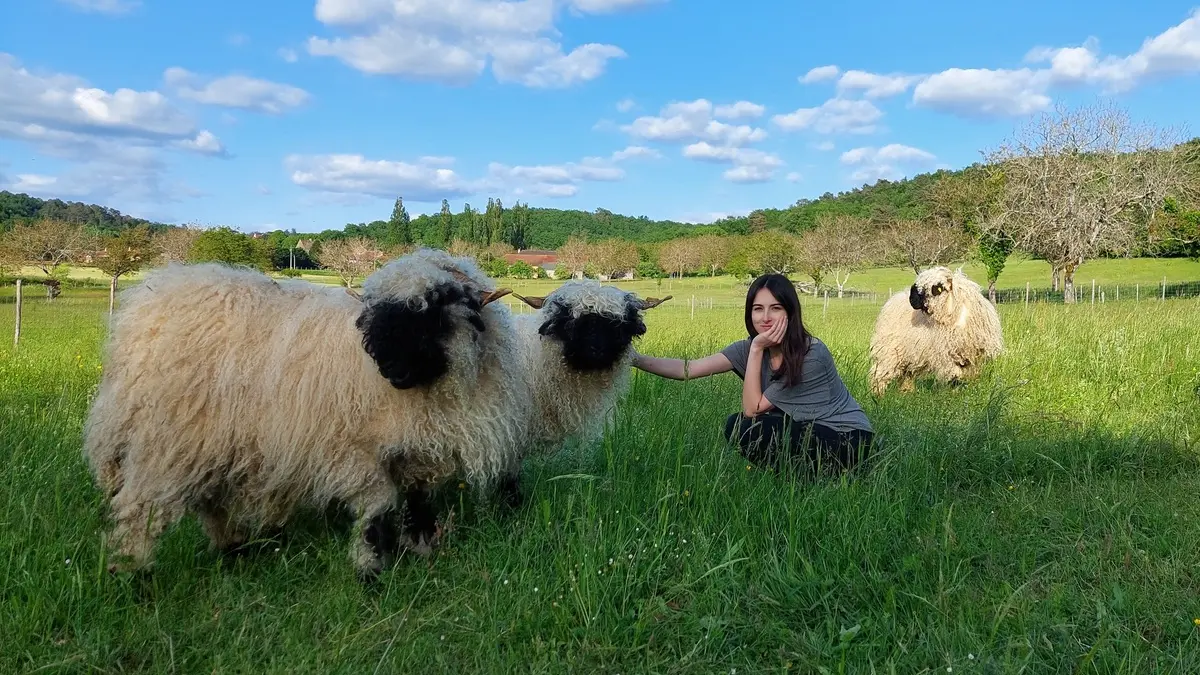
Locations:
309 115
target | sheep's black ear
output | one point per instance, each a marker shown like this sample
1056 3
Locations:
633 325
408 344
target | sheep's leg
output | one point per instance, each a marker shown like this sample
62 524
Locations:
420 521
510 490
224 535
139 522
374 527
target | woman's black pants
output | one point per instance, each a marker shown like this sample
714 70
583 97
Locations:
773 437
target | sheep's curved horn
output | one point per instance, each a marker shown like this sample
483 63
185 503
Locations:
533 300
649 303
492 296
354 294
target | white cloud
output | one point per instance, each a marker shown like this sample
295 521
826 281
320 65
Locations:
104 6
794 177
552 180
288 54
984 92
355 174
608 6
112 139
837 115
429 180
453 42
236 91
635 151
1018 92
691 121
739 110
749 165
820 74
824 146
886 162
873 85
625 105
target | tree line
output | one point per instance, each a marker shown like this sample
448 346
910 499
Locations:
1067 187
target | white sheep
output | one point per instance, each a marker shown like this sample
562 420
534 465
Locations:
942 326
576 357
241 399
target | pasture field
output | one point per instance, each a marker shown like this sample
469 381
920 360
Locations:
1146 272
1043 519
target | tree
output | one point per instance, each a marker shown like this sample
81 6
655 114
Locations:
970 202
613 257
464 227
758 222
445 225
521 270
1077 181
175 243
573 256
679 256
228 246
48 245
350 258
772 252
839 246
399 229
917 245
520 222
125 253
714 252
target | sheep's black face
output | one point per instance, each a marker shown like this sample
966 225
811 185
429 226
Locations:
409 344
916 298
593 341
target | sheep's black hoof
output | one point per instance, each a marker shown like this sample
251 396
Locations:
420 528
510 492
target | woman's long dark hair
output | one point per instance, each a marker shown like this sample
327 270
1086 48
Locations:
797 338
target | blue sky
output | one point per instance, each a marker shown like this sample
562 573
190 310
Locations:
311 114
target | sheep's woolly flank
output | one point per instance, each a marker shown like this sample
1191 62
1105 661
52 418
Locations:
943 325
240 399
578 357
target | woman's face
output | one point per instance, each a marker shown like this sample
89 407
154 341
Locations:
766 311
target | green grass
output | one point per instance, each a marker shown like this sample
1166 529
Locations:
1045 518
1147 272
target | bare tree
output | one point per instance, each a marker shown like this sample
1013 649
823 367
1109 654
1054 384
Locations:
573 256
613 257
714 251
838 246
47 245
917 245
175 243
125 253
1076 182
679 256
350 258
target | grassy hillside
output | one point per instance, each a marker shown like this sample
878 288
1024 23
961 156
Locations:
1042 519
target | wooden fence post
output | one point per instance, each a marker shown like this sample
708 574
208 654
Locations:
1093 291
1164 291
17 334
1026 292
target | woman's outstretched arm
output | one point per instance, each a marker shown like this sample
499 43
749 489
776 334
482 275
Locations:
683 369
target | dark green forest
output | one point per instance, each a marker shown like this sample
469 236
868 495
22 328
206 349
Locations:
523 226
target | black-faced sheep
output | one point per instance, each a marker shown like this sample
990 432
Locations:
577 356
943 325
241 399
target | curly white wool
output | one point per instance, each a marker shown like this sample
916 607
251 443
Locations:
958 331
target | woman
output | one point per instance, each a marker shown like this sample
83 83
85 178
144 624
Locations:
792 394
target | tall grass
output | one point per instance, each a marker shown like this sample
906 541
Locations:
1045 518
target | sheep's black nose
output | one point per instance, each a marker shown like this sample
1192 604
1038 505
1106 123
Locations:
916 298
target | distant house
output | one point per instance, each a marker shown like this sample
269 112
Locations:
546 261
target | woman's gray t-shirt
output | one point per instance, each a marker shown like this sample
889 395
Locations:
820 395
